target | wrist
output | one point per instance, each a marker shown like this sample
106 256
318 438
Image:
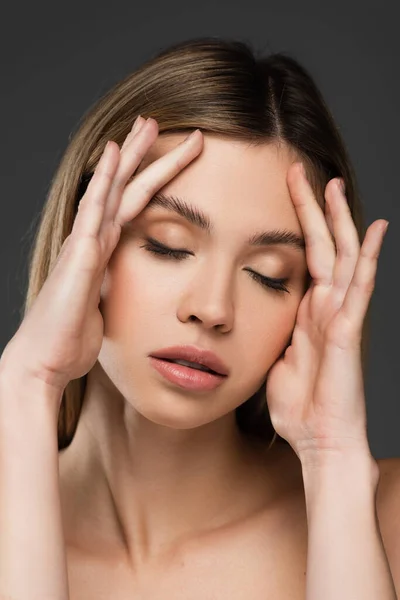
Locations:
347 466
22 396
330 453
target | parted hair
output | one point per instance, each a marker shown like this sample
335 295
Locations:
221 86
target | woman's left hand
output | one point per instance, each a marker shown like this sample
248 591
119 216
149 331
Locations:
315 391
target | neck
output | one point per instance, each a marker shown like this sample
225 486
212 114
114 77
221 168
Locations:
144 488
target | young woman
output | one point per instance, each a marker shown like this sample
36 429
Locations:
181 409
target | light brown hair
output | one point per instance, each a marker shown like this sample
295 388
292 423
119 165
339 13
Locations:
222 87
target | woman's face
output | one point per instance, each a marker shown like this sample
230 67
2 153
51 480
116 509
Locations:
209 299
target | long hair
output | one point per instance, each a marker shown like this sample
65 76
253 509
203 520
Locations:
221 87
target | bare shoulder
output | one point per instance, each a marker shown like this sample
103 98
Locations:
388 512
388 492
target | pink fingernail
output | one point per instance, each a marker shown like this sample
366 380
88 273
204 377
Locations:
342 186
385 228
136 124
191 136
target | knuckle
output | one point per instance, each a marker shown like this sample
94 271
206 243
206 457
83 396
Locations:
345 251
180 162
369 288
145 187
118 183
105 173
136 153
366 286
366 254
126 173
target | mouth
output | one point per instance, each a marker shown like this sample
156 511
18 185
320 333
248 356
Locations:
190 376
192 365
194 358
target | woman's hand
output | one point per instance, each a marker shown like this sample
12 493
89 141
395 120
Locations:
315 391
60 337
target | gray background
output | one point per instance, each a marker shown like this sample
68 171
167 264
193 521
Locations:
56 60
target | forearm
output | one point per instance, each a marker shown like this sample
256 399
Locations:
32 549
346 558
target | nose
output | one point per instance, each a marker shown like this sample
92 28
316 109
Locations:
208 299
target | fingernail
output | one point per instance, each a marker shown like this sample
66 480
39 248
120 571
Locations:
341 184
385 228
192 135
136 124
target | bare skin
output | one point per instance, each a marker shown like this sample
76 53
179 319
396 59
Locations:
161 496
156 475
260 544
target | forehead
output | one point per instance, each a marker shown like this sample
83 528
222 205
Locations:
221 154
234 175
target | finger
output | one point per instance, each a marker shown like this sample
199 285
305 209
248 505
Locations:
346 237
320 249
138 124
328 218
157 174
91 206
130 159
355 304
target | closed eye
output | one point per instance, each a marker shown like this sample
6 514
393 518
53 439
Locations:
160 250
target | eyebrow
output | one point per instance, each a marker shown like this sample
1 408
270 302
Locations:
197 217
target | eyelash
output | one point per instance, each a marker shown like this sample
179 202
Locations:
160 250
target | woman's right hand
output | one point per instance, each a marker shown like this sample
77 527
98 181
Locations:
60 337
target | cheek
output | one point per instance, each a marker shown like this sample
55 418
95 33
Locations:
268 335
130 290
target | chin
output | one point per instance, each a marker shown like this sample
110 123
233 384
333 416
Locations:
177 409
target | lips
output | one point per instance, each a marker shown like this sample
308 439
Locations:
193 354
